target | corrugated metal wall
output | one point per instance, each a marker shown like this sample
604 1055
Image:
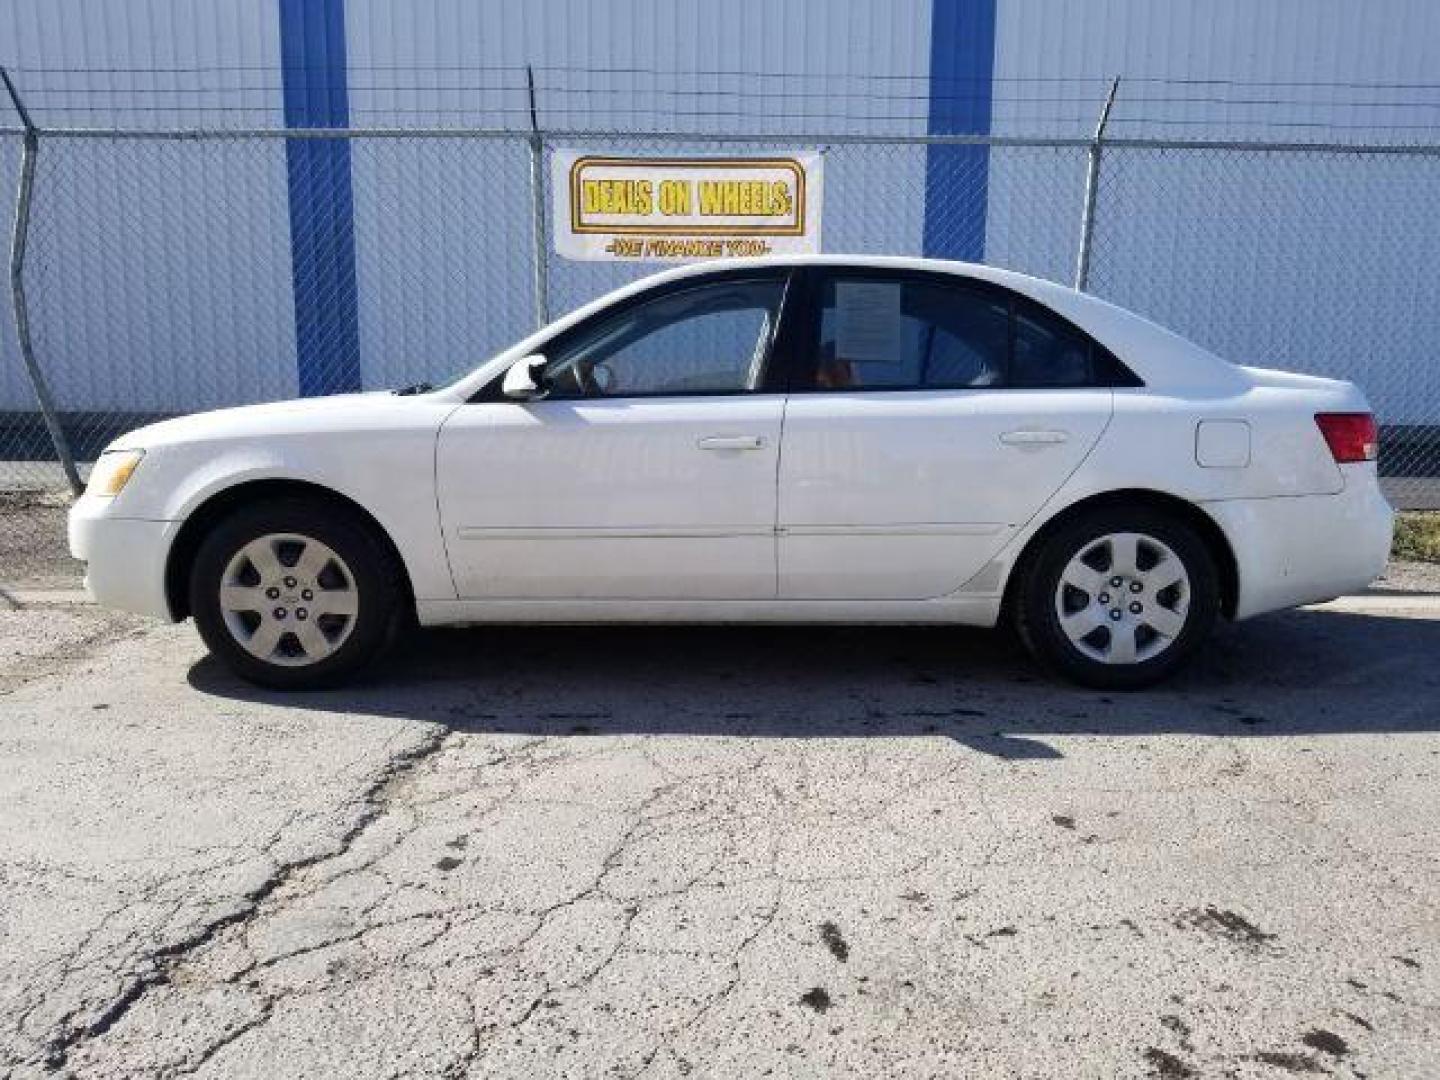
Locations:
1053 61
745 67
145 63
1303 262
14 390
167 277
160 272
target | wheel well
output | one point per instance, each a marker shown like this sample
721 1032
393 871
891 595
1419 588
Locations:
1203 524
209 513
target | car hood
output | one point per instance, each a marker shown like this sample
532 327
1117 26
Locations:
342 412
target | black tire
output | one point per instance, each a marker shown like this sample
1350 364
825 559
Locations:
378 581
1035 601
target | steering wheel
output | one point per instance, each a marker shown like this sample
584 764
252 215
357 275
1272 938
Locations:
572 373
602 379
593 378
590 378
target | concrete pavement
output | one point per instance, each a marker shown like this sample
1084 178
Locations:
723 852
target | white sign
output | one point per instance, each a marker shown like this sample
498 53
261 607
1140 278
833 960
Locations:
867 322
674 209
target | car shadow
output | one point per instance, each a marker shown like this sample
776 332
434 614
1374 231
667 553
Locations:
1299 673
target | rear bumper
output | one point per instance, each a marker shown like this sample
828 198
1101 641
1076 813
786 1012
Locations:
125 558
1303 549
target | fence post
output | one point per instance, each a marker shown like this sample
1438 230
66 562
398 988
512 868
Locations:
19 236
537 209
1092 186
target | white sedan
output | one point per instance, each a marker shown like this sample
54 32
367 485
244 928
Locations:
821 439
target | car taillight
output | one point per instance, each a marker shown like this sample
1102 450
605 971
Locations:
1351 436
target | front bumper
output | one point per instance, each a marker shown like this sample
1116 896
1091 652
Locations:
1303 549
125 557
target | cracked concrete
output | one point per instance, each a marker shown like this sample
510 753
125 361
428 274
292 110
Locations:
137 827
726 852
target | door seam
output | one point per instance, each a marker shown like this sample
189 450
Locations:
775 516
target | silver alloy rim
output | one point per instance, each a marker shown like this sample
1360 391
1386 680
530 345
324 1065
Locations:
289 599
1123 599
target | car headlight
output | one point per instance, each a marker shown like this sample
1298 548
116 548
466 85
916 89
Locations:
112 472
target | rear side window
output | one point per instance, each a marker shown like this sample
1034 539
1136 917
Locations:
884 334
894 332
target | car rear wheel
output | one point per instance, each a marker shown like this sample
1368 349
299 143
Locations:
1118 599
292 593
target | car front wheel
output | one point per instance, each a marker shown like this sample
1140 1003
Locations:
293 593
1118 599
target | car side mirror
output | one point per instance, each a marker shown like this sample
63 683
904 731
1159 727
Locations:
524 381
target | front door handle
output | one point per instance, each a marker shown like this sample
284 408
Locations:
1034 437
731 442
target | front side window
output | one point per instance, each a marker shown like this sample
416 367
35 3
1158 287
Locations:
887 334
711 339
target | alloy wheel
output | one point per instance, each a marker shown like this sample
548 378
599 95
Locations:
289 599
1124 598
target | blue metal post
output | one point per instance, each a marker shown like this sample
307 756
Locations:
322 219
962 64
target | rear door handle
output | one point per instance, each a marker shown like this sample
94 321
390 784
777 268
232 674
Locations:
731 442
1034 437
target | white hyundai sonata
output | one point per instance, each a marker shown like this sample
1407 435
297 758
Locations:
821 439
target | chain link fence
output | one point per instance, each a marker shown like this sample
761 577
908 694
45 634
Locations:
161 276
